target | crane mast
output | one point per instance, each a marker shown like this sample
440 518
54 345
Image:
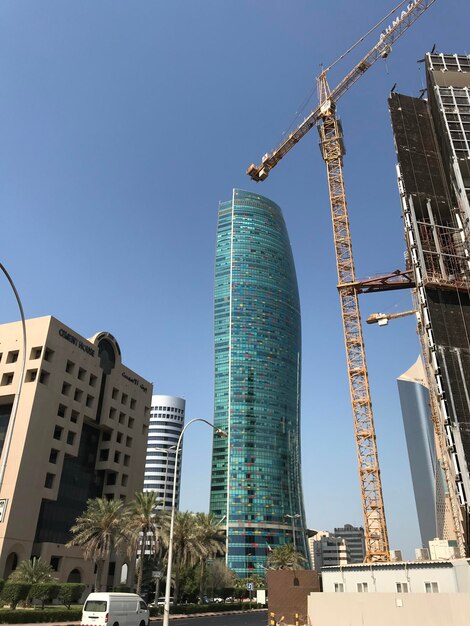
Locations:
332 148
375 527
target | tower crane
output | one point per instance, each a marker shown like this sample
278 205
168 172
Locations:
332 149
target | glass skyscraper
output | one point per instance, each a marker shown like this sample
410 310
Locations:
256 482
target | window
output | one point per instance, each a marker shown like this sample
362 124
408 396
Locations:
104 454
97 606
35 353
128 442
362 587
112 413
31 376
132 405
48 483
81 373
58 433
127 458
12 357
70 437
61 410
111 479
124 480
431 587
69 367
48 354
44 377
402 587
55 562
77 396
117 456
53 456
339 587
89 401
119 437
93 380
122 418
115 393
124 398
66 388
74 415
131 422
7 378
106 435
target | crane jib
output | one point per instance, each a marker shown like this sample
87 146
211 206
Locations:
392 32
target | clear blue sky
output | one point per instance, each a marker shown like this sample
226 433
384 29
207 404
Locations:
124 123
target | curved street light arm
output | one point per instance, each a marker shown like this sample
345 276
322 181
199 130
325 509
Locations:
14 409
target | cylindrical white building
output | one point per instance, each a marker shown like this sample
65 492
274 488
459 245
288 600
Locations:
166 424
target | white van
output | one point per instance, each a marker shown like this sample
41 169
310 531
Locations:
114 609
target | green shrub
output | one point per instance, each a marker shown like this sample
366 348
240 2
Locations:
2 584
190 609
43 592
70 593
20 616
12 593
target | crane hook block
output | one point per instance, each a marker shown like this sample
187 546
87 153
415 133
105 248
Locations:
256 173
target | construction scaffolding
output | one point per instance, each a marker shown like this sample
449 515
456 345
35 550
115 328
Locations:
434 182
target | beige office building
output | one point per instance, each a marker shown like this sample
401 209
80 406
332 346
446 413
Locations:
80 432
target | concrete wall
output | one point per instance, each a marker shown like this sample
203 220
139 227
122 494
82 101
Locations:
386 609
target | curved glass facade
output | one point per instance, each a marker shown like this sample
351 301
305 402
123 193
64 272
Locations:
256 483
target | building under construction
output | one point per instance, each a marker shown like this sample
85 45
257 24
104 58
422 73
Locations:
432 138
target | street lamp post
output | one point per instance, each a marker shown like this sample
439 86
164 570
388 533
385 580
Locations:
293 517
166 607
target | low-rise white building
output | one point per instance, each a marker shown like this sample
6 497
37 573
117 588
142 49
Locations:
399 577
432 593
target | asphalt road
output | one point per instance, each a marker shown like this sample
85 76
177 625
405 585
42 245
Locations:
245 618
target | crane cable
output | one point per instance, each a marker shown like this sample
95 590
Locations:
371 30
312 92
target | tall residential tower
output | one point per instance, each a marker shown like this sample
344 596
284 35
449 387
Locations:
256 480
426 471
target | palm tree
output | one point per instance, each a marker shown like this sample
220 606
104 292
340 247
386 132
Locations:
35 571
187 547
286 557
101 529
211 542
143 524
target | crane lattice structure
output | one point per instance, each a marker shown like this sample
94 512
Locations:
332 148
